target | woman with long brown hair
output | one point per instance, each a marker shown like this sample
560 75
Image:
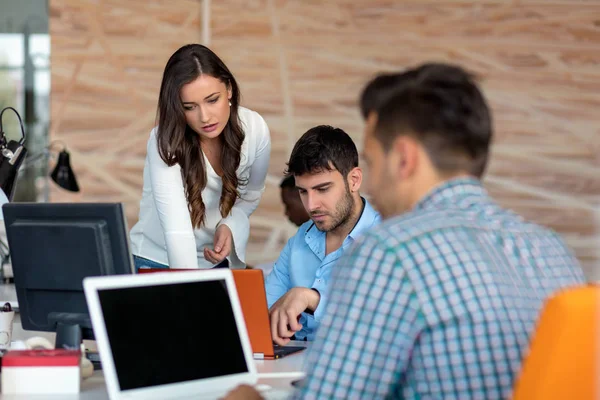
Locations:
205 168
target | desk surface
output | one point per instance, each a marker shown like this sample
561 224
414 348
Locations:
94 387
276 373
288 367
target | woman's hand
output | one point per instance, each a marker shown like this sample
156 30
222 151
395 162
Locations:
222 245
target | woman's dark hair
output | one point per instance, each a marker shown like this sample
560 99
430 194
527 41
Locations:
179 144
323 148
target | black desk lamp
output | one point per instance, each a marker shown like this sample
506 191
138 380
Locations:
63 174
12 154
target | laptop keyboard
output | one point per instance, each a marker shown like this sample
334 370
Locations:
283 350
94 357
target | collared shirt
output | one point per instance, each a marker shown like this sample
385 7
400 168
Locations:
438 303
303 263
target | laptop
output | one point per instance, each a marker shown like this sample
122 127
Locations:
250 286
152 344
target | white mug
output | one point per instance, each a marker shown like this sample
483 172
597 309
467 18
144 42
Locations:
6 328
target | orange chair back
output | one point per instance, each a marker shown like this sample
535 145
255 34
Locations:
564 356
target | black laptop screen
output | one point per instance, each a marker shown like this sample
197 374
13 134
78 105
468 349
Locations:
172 333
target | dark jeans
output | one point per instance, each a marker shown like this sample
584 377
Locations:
141 262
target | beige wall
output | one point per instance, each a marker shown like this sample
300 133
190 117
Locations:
302 63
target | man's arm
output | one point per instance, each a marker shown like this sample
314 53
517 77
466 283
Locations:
315 310
321 286
278 282
373 318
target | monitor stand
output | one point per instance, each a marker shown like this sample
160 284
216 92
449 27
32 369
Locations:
68 336
70 329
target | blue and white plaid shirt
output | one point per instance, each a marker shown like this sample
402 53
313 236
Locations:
438 303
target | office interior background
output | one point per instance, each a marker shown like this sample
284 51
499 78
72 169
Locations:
87 73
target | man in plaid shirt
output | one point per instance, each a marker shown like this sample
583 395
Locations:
440 300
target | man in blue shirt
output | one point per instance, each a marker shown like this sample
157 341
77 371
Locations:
324 163
439 301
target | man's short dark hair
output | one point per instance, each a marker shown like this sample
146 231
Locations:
379 90
442 107
323 148
288 182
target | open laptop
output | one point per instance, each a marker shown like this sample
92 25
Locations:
153 345
250 286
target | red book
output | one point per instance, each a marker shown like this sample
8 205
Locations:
41 358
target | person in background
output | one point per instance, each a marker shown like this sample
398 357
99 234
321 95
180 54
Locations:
324 163
205 168
438 301
294 209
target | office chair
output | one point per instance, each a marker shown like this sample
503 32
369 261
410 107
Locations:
564 357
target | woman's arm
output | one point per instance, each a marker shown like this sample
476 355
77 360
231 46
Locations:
238 220
172 207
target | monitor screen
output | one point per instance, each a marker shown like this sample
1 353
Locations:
171 333
53 246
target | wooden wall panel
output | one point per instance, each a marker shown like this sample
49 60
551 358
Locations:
303 63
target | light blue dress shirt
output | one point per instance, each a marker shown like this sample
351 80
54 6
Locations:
303 263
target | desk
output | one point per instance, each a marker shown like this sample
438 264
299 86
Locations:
93 388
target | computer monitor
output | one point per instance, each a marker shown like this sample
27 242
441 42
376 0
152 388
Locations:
53 247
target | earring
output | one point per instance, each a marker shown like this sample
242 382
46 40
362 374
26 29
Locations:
229 103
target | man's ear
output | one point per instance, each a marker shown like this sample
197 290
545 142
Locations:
355 179
406 156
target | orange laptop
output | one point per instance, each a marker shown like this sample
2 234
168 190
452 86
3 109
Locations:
250 286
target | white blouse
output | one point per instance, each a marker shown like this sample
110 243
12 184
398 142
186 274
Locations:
164 232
